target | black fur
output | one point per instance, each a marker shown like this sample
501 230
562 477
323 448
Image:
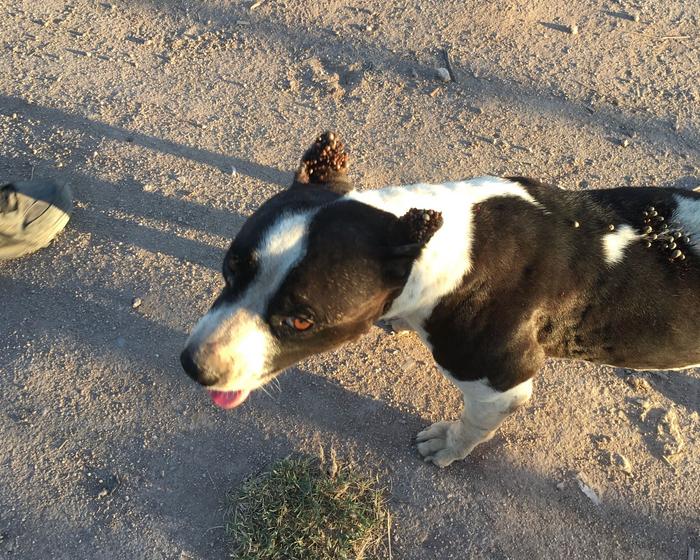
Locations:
540 287
347 279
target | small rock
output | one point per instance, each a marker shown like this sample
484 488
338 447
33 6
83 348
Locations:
136 302
645 405
621 462
573 29
639 384
625 143
670 436
443 74
561 485
408 365
103 493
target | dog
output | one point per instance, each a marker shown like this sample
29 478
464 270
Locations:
494 274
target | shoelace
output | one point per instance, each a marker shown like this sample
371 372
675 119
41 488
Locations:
5 192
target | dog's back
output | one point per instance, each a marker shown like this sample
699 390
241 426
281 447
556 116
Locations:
611 276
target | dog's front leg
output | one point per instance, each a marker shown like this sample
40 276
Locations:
484 410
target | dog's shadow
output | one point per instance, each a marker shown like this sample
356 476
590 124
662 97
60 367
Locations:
680 387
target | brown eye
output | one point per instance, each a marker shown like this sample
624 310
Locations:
299 323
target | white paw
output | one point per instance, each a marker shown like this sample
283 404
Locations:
399 326
437 443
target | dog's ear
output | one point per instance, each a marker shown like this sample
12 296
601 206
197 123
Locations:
324 165
411 232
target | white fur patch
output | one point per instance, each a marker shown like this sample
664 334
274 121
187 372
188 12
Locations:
447 257
615 243
239 343
687 214
484 410
480 393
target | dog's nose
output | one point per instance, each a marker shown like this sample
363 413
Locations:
189 364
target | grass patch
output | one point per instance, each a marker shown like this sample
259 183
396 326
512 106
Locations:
309 509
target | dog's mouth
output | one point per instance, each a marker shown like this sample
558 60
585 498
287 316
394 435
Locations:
228 399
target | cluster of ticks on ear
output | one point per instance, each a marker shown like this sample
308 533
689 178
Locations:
421 224
326 159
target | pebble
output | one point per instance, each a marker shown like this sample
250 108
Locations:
668 431
625 143
639 384
443 74
136 302
573 29
621 462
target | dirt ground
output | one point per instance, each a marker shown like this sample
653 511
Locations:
175 119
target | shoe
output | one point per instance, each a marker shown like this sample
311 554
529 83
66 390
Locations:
32 213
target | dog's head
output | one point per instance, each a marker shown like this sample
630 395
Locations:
309 270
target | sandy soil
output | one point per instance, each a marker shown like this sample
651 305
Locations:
174 119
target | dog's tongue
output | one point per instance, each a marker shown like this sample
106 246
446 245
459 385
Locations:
228 399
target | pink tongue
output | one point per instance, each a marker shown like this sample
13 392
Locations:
228 399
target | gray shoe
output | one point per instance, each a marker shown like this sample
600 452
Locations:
31 215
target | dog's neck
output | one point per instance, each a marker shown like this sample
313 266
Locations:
446 258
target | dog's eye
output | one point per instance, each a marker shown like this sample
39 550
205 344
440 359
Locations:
232 263
230 268
299 323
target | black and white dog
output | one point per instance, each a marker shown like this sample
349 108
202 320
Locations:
494 274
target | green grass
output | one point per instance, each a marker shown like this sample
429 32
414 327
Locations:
307 509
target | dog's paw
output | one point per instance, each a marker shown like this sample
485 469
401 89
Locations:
437 443
325 162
